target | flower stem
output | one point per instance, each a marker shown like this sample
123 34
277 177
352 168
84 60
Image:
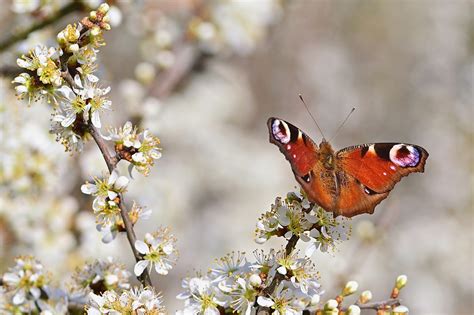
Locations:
111 161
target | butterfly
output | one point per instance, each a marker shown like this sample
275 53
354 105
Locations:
348 182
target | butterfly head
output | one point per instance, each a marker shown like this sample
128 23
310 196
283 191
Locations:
326 154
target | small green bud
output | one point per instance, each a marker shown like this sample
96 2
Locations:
365 297
106 26
93 15
104 8
95 31
350 288
255 280
401 281
74 48
331 305
61 39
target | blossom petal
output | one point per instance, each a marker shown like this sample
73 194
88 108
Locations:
89 189
70 118
309 251
140 267
19 297
113 177
168 249
281 270
11 278
67 92
121 183
96 119
264 301
111 194
141 247
160 270
23 63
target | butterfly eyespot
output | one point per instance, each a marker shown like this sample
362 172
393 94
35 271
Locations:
404 155
280 131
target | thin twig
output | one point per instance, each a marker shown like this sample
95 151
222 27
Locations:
380 305
75 5
111 161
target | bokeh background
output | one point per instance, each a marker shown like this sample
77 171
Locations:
407 67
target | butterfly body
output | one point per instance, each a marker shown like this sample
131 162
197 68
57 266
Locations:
350 181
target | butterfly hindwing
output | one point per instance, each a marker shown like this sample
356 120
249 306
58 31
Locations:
298 148
354 198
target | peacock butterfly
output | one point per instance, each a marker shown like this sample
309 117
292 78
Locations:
350 181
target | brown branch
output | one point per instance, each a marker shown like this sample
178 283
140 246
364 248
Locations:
75 5
379 305
111 161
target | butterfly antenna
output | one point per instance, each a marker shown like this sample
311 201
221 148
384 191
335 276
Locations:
312 117
342 124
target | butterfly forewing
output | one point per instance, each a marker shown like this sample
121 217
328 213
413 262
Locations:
380 166
298 148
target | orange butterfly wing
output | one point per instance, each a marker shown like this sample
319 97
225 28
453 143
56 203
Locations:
367 173
304 158
298 148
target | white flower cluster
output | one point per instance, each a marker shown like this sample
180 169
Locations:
235 284
296 216
23 285
77 101
99 276
158 250
106 204
143 301
44 73
139 148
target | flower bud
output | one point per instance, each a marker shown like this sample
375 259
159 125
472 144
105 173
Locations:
353 310
400 310
145 72
401 281
61 38
106 26
93 15
350 288
104 8
74 48
95 31
331 305
255 280
365 297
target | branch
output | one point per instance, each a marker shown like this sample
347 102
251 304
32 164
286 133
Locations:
111 161
380 305
75 5
186 57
